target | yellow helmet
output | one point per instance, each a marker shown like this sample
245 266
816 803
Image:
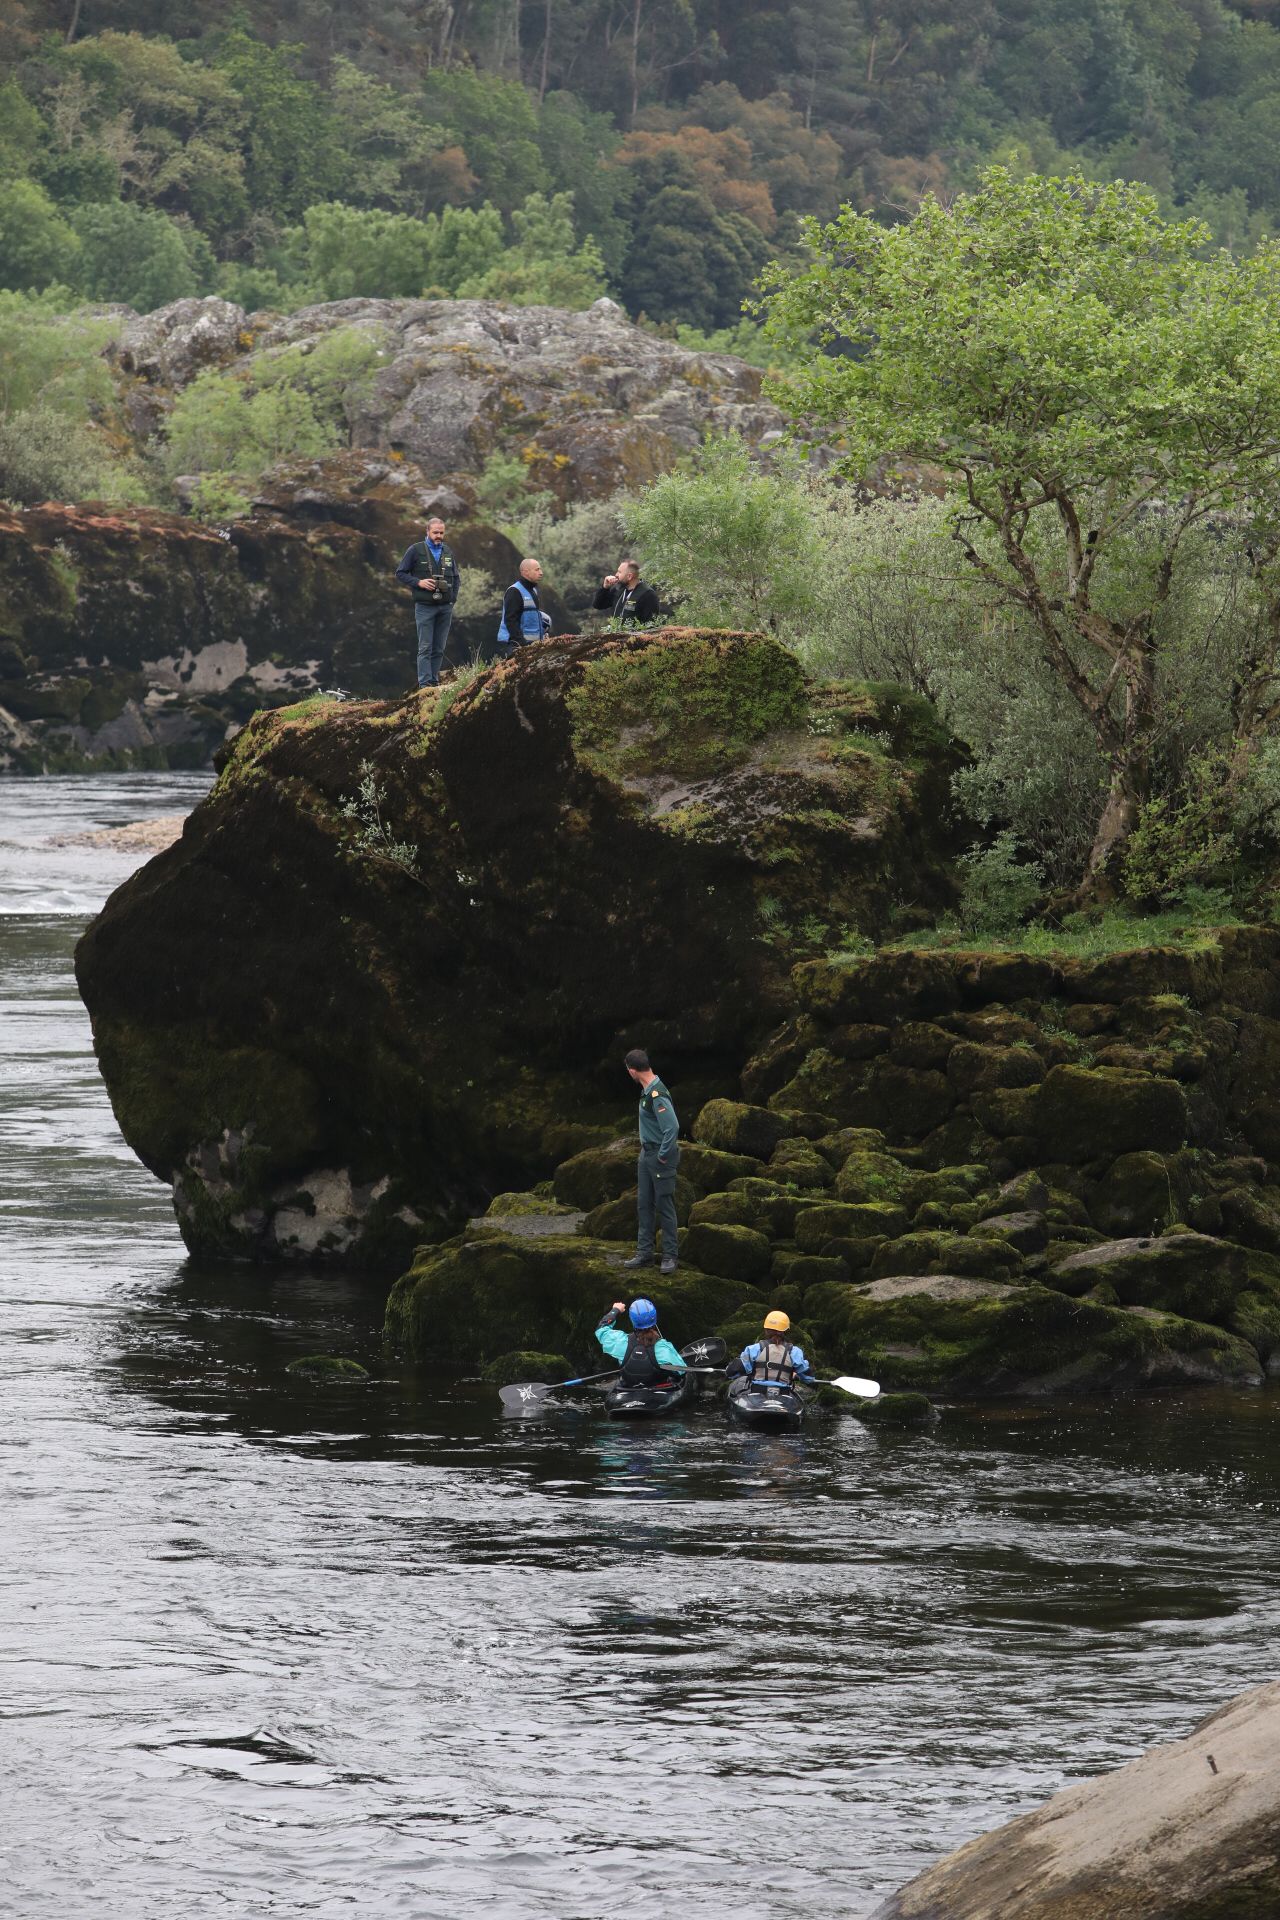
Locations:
776 1322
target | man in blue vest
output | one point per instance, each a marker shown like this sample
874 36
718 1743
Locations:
522 617
431 570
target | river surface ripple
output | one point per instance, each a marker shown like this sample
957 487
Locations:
270 1649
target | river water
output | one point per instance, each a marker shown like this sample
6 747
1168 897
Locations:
274 1649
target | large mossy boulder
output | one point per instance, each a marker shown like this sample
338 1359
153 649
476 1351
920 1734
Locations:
395 960
1099 1113
971 1336
1191 1274
478 1297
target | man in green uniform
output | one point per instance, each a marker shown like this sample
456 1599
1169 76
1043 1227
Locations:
656 1166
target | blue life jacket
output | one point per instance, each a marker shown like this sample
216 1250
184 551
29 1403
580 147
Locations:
530 619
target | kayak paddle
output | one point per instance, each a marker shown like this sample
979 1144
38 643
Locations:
529 1395
864 1389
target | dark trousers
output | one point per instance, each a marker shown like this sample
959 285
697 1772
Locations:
433 631
656 1203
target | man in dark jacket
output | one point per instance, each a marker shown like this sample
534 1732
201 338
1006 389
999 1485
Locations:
624 594
431 570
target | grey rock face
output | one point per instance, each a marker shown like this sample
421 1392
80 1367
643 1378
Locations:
589 402
175 343
1191 1831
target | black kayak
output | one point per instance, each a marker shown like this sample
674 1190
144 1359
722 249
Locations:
649 1403
771 1409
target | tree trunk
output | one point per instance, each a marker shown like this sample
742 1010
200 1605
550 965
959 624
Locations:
74 28
637 9
546 54
1130 784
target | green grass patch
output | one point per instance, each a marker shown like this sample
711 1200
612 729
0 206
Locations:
1079 936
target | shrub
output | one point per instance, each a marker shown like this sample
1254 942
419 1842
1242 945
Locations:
736 544
998 892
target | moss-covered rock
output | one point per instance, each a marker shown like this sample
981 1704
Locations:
1252 1217
798 1164
331 1368
598 1174
974 1068
429 1025
470 1301
1189 1274
710 1171
971 1336
1026 1232
509 1206
1099 1113
509 1368
737 1253
895 1410
1140 1193
732 1126
872 1176
979 1256
847 1220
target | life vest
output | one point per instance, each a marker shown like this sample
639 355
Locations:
772 1365
530 619
441 571
640 1366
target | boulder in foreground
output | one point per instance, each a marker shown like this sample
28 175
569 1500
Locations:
1191 1831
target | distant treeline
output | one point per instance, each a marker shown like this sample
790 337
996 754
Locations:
657 149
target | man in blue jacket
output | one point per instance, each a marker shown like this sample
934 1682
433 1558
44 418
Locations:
431 570
647 1360
656 1166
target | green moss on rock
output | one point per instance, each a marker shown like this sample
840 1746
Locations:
736 1252
509 1368
731 1126
330 1367
1099 1113
472 1300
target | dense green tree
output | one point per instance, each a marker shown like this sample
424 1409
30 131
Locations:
1078 371
543 266
38 248
687 261
139 256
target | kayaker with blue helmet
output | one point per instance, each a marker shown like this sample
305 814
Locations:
647 1360
774 1361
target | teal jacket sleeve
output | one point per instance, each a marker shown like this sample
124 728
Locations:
665 1115
613 1340
668 1356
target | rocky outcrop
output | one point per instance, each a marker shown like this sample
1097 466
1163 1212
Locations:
393 963
130 637
1191 1831
588 402
985 1174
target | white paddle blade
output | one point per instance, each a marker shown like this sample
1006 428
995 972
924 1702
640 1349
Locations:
865 1389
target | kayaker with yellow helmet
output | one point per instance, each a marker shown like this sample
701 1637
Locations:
774 1361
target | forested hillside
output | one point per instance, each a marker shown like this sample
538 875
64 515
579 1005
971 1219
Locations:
657 149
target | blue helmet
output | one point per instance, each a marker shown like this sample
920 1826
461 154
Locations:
643 1314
